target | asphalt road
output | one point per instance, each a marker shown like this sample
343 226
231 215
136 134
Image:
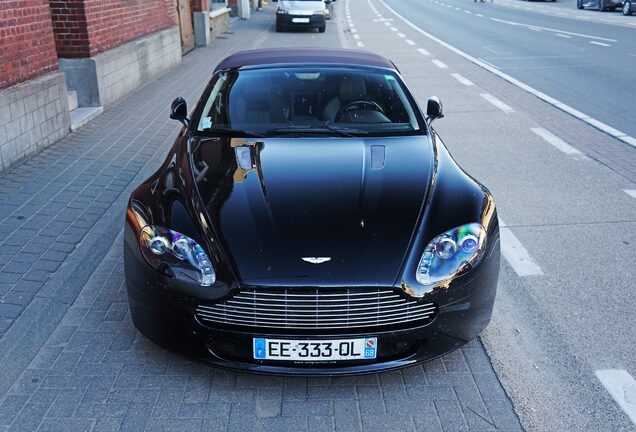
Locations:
565 304
587 64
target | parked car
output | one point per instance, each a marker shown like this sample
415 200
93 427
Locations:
601 5
298 14
628 7
309 220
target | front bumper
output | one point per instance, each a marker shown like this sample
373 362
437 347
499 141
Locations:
163 310
287 21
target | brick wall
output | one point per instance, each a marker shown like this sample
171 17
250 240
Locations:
200 5
27 48
84 28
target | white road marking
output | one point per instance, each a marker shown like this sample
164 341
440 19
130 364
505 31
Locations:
562 35
479 15
423 52
439 64
353 30
497 103
393 29
517 255
533 27
557 142
387 23
462 79
356 36
402 35
622 387
523 86
360 44
492 65
468 12
630 192
410 42
599 43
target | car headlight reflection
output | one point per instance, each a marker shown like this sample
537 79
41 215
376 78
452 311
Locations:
449 253
177 255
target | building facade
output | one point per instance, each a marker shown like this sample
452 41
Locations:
63 61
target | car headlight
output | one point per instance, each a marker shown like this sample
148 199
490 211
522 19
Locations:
449 253
281 12
177 255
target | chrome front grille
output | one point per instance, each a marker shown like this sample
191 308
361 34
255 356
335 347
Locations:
317 309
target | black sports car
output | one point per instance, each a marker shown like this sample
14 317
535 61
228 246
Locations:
308 220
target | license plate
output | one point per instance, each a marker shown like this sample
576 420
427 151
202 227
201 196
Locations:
300 20
315 350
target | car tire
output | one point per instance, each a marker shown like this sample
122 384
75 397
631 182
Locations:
601 6
627 8
579 4
322 29
279 29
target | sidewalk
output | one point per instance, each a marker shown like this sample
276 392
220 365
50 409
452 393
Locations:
76 361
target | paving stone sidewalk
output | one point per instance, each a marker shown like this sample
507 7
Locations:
71 358
96 373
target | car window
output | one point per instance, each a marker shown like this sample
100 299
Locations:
307 101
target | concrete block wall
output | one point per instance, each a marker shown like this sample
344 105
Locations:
109 76
219 22
33 115
126 68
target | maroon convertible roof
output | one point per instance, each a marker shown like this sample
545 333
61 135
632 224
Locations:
303 56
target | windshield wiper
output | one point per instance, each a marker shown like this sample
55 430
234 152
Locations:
326 128
239 133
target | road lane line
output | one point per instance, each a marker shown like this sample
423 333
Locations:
479 15
498 103
402 35
439 64
492 65
360 44
630 192
393 29
554 140
410 42
423 52
356 36
517 255
533 27
462 79
386 23
622 387
562 35
627 139
599 43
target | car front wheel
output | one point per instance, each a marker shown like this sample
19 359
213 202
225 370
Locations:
579 4
627 8
601 6
322 29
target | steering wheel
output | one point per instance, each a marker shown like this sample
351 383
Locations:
361 105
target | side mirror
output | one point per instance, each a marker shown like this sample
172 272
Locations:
434 109
179 111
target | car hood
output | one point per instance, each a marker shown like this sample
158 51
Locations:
354 201
301 5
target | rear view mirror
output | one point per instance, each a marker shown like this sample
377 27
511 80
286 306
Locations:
434 109
179 111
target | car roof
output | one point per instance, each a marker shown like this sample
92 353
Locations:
276 56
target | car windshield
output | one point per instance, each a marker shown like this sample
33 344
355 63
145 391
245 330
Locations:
306 101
